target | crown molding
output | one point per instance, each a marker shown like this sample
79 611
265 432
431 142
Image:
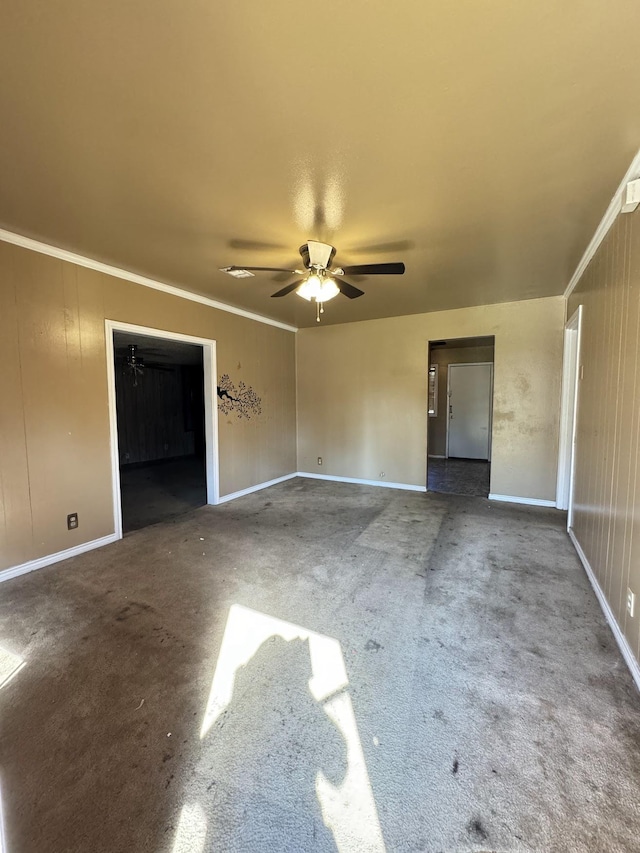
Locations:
606 222
117 272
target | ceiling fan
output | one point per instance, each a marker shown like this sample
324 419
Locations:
320 281
135 365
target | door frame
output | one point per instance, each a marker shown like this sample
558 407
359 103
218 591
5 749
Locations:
470 364
569 414
210 409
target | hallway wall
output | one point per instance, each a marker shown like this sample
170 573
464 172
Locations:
607 483
54 422
152 422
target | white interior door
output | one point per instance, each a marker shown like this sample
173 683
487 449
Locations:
469 416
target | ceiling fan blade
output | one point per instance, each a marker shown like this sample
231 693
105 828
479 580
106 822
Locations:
281 277
287 289
258 269
374 269
347 289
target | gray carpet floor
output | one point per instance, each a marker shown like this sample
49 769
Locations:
319 666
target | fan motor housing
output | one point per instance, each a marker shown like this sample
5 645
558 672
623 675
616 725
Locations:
316 254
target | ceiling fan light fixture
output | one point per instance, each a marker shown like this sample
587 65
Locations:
319 282
320 288
328 290
310 288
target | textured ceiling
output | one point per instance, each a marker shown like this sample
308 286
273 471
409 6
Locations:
480 143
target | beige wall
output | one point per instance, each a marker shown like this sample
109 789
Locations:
607 483
443 357
54 428
362 394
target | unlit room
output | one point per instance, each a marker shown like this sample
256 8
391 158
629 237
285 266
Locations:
319 427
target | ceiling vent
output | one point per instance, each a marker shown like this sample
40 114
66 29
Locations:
237 273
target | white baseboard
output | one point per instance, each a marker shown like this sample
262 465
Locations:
405 486
621 640
233 495
41 562
512 499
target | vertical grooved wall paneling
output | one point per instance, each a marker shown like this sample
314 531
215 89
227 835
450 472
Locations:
607 495
54 418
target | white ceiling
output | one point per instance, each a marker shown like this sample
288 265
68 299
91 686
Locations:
480 143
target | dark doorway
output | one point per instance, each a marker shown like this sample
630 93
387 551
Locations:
161 438
460 411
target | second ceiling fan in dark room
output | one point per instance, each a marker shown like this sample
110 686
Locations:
320 281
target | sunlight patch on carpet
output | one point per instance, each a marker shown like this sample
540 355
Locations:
348 809
191 834
10 666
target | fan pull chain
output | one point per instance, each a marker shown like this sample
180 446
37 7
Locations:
317 312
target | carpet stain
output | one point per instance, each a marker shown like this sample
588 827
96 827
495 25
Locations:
476 829
373 646
134 608
456 766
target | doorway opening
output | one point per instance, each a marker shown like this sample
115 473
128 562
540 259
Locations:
569 415
460 409
163 442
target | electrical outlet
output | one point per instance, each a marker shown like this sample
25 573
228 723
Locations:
72 521
319 460
382 475
631 602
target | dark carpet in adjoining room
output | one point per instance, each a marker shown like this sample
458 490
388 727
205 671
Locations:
393 670
158 491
